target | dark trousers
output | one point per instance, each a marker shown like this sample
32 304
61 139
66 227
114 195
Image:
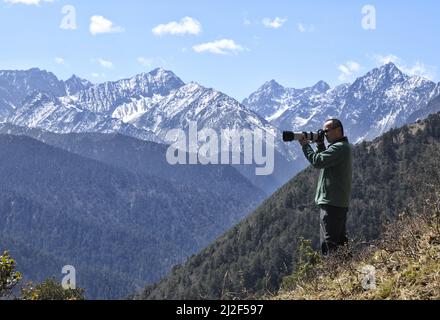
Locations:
333 228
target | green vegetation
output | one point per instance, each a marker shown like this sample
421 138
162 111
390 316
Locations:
50 290
307 262
47 290
405 261
9 278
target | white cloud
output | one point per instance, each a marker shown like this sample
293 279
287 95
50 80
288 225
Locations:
145 62
149 62
185 25
97 75
381 59
304 28
105 64
59 60
274 23
223 46
27 2
99 24
348 70
418 69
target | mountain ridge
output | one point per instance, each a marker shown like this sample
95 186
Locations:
383 98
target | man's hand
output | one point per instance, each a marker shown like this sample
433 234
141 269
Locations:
303 141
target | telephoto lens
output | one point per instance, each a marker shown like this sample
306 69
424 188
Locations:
312 136
288 136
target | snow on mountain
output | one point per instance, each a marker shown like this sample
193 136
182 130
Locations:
158 101
15 86
155 102
192 102
432 107
148 105
59 115
272 99
152 103
382 99
78 106
75 84
106 97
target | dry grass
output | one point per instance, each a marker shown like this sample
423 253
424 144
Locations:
406 265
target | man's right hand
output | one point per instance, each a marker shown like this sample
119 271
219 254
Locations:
321 146
320 143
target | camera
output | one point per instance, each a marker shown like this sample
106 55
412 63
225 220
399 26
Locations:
312 136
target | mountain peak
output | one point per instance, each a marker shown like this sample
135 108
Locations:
41 73
272 84
271 87
159 70
18 84
390 68
74 77
75 84
381 77
160 78
321 86
162 73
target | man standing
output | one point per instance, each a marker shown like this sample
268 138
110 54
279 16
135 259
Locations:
334 185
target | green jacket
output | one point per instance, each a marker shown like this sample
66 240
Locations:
334 184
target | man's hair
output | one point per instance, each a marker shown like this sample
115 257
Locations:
336 123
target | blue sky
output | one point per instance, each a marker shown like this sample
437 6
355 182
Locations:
232 46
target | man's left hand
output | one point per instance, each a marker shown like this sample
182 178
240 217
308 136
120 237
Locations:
303 141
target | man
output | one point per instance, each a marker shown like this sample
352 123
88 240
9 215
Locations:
334 185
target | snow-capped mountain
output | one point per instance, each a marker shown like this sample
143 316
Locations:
147 106
154 102
380 100
272 99
432 107
106 97
208 108
75 84
17 86
193 103
56 114
37 99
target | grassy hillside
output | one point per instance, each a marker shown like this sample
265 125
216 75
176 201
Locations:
403 264
254 256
